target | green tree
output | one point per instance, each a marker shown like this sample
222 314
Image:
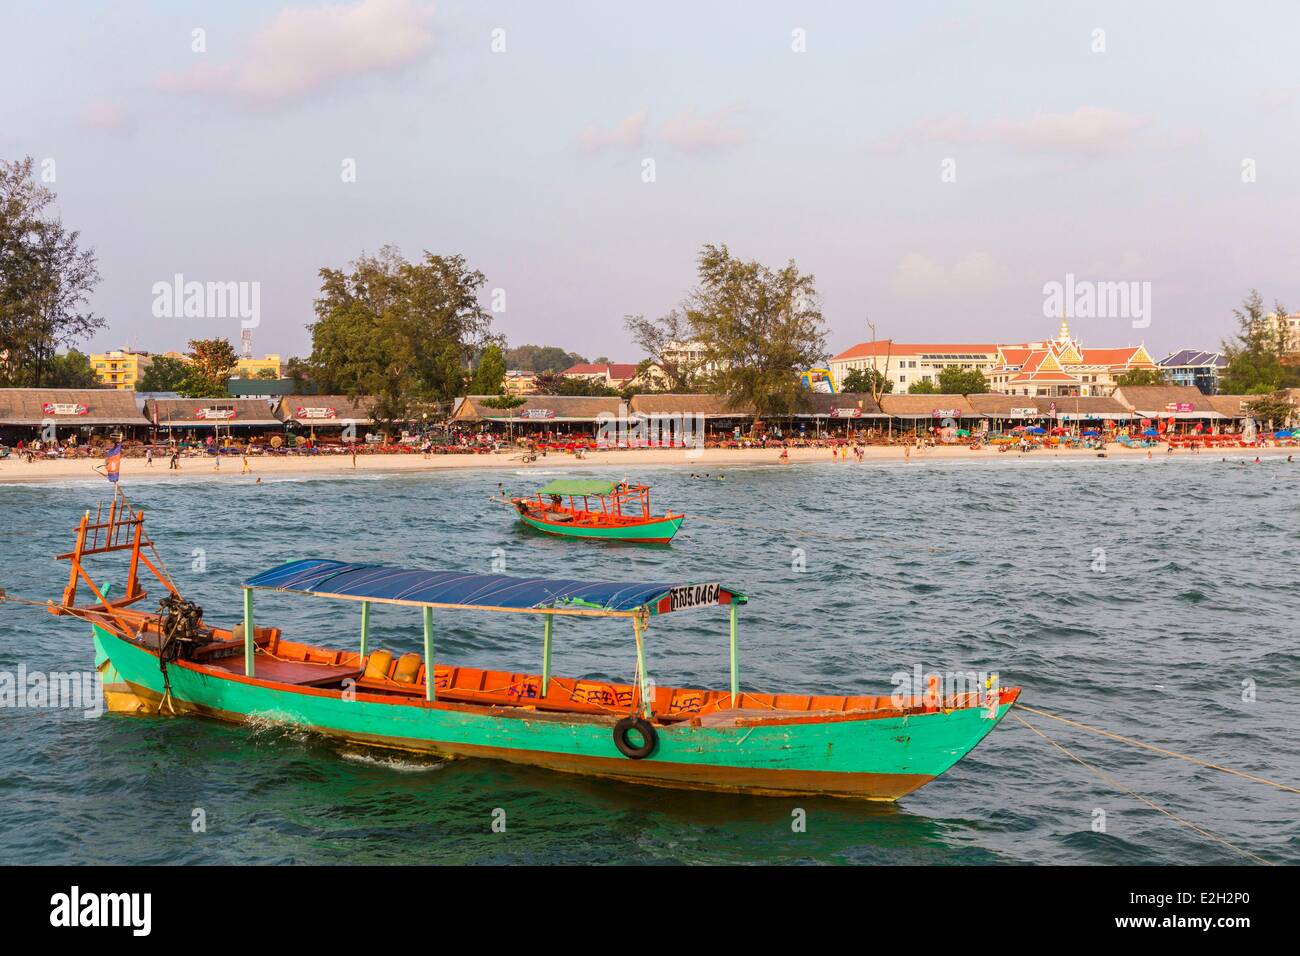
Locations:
962 381
489 376
400 331
662 339
922 387
541 358
46 278
164 374
760 327
1275 410
1255 365
866 380
70 369
210 362
549 383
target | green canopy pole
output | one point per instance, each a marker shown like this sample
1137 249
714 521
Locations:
365 627
735 663
430 693
249 643
546 653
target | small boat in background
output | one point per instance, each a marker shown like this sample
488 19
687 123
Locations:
603 510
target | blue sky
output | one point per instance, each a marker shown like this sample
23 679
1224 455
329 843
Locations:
225 165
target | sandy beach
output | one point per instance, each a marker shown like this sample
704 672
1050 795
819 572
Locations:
15 469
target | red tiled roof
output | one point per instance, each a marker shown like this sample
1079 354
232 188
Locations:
885 346
616 370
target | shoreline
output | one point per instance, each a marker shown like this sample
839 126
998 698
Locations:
15 470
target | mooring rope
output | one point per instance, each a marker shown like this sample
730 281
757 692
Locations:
1137 796
1159 750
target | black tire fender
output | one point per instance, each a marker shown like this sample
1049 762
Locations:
642 727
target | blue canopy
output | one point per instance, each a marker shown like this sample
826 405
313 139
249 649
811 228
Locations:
460 589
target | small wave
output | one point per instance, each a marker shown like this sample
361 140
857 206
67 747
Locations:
410 764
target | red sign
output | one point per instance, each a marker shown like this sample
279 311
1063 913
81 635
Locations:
537 413
1180 407
214 413
301 412
64 408
846 413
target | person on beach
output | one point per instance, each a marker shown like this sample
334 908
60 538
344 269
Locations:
246 469
907 454
352 447
785 456
174 464
148 456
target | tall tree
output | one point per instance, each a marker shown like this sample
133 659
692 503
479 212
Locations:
541 358
210 364
962 381
867 380
1255 365
922 387
46 277
666 341
399 331
759 326
70 369
164 374
490 374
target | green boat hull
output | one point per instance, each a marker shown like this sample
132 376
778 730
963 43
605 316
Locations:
878 759
660 531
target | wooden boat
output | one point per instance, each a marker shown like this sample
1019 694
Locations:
619 512
175 661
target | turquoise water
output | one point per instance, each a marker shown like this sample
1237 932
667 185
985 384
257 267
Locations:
951 566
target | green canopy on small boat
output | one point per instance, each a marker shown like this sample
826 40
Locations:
577 486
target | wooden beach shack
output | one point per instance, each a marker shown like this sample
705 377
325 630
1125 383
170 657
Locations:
338 417
919 413
56 414
197 418
717 415
1177 405
843 413
540 416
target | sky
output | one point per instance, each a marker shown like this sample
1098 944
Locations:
936 166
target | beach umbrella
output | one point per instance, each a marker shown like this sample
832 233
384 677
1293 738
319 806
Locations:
1037 430
1150 431
1092 432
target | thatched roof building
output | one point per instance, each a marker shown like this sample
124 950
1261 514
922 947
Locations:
936 407
1166 401
75 407
539 409
325 410
211 413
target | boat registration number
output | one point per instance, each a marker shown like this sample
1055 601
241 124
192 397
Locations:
693 595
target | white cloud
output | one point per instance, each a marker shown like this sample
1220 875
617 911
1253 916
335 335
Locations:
1088 131
304 50
690 133
628 131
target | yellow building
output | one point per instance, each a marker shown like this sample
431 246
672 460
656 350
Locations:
253 368
120 368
